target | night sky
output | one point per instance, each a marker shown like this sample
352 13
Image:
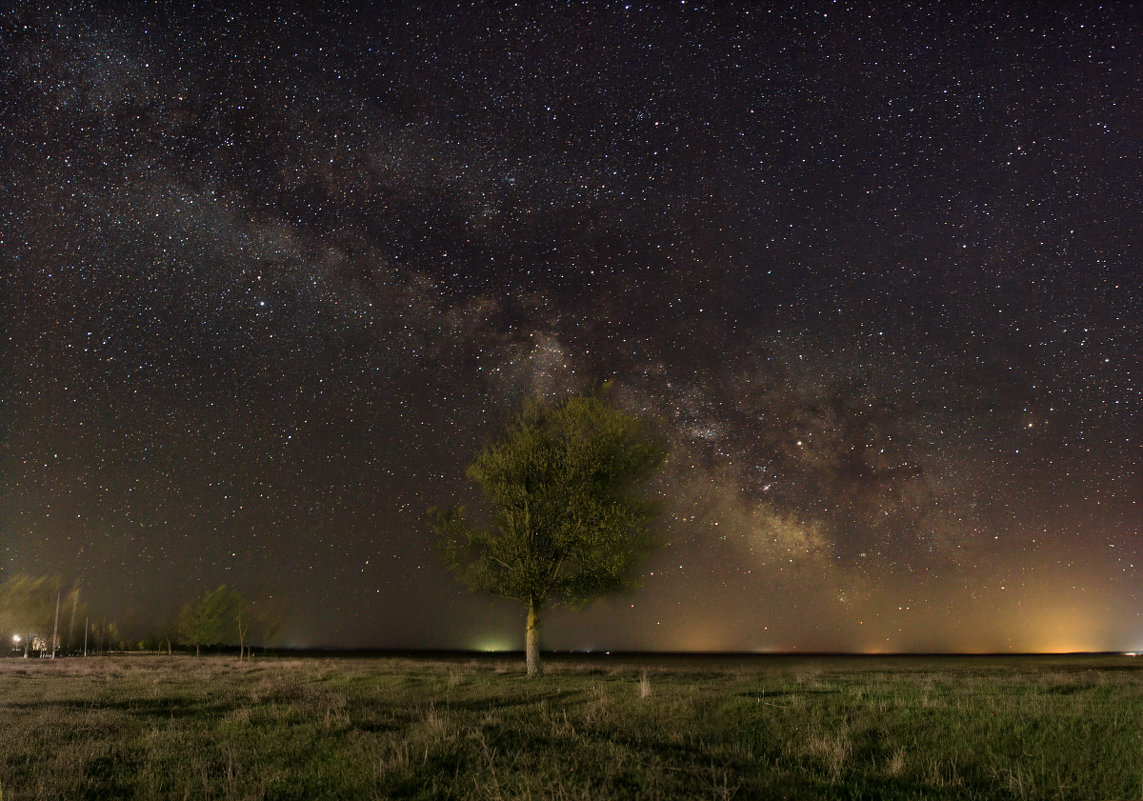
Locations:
269 281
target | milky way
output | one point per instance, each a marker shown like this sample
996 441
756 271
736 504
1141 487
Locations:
268 281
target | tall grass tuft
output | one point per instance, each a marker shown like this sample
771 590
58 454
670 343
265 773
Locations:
644 686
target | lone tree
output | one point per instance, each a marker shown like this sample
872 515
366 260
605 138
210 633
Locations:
568 522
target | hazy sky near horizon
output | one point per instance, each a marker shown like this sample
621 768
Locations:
270 278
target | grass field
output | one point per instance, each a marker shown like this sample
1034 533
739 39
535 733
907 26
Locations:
594 728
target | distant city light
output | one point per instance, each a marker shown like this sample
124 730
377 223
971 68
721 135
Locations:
492 646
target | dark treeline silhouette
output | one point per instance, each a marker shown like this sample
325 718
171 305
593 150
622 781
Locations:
42 616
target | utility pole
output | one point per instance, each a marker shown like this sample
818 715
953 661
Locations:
85 627
56 627
71 624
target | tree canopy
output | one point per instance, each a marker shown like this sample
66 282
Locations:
210 619
569 518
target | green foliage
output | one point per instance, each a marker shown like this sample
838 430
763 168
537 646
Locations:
211 619
568 522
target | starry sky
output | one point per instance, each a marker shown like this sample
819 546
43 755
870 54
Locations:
270 278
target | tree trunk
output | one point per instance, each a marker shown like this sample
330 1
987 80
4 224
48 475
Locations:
532 639
242 638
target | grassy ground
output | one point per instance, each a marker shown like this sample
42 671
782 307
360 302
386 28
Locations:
601 728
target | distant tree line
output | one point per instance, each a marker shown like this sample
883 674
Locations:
39 617
30 611
225 617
